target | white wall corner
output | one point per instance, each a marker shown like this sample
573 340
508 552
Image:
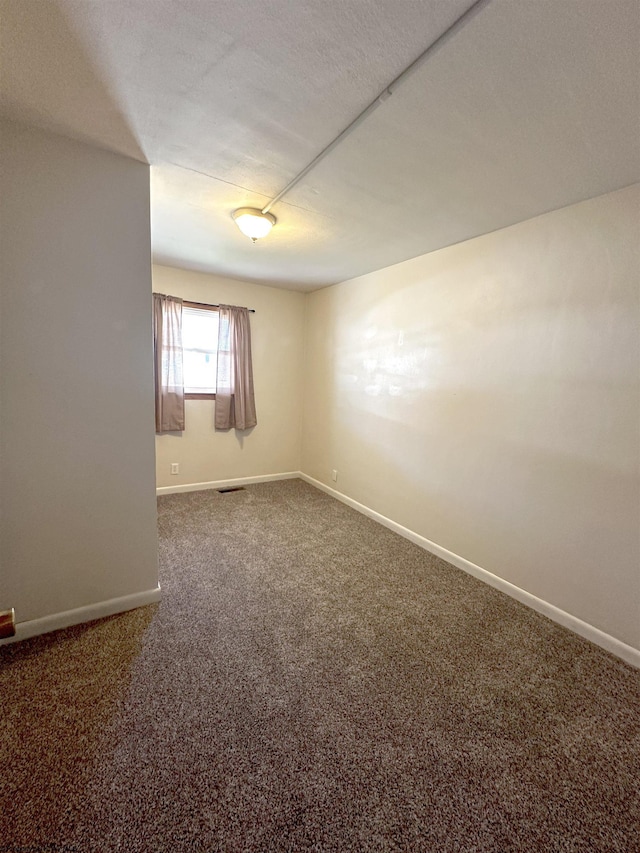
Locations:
627 653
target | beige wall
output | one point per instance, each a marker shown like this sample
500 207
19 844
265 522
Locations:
486 397
273 446
76 385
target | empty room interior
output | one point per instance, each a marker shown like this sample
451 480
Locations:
373 581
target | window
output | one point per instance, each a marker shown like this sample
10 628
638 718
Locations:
200 351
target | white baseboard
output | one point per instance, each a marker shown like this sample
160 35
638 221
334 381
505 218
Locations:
584 629
35 627
225 484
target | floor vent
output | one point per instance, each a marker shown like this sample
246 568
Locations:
230 489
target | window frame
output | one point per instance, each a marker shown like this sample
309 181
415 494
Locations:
199 306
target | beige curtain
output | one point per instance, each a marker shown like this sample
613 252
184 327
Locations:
235 404
167 350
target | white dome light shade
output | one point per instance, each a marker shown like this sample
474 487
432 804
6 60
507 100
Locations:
253 222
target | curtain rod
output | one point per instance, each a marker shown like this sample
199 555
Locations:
209 305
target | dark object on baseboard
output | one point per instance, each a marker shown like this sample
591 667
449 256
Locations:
230 489
7 623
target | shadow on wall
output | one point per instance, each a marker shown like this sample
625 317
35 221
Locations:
85 670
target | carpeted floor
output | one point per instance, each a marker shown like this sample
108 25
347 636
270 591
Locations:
311 681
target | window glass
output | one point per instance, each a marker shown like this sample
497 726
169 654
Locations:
200 347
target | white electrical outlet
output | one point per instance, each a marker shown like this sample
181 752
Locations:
175 467
334 475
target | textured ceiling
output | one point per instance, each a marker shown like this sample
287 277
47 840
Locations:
530 107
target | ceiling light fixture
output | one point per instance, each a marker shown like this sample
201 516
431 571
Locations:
253 222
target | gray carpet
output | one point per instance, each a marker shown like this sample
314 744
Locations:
311 681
